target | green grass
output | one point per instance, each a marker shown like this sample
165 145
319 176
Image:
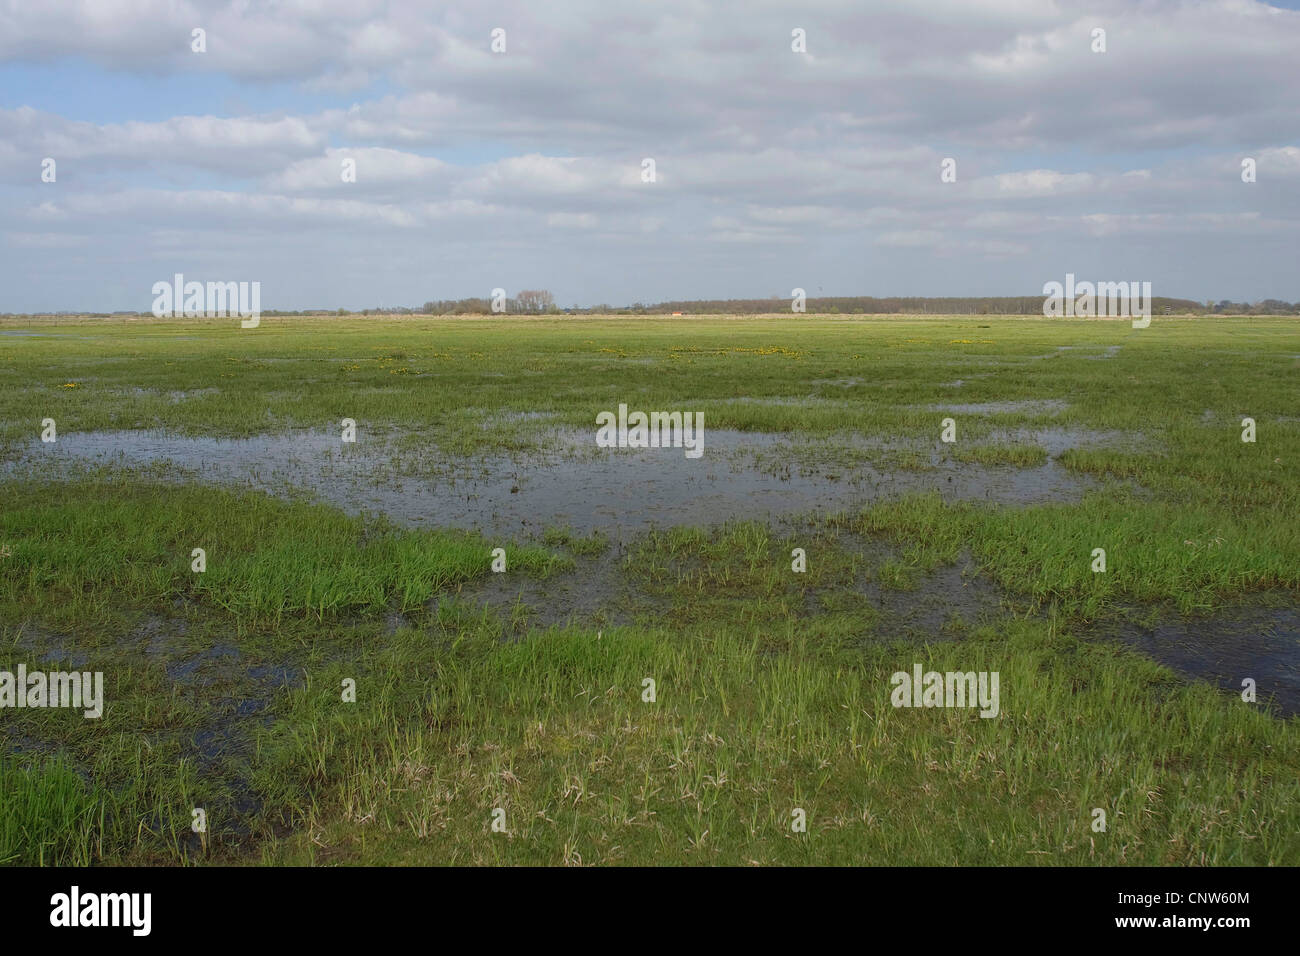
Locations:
265 559
51 817
224 688
591 545
555 732
1022 456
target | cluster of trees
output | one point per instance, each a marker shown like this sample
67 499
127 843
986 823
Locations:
532 301
1263 307
528 301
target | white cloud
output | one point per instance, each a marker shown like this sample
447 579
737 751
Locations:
1039 182
767 161
569 220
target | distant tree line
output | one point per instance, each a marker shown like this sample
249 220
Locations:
960 305
541 302
1265 307
838 305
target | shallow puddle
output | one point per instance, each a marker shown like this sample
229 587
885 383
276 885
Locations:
619 491
1057 440
1110 350
1258 642
594 594
944 603
32 333
1026 407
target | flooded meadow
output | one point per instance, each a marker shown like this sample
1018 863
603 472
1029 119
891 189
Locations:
355 580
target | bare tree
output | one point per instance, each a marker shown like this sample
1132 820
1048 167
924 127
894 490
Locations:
535 300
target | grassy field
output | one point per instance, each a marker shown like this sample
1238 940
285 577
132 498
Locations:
226 690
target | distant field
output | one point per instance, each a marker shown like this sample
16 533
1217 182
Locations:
522 692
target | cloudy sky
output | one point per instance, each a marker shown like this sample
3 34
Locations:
523 169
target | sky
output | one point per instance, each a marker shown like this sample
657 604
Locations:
773 168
